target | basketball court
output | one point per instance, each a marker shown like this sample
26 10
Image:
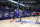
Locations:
6 23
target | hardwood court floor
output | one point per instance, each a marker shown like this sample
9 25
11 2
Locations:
6 23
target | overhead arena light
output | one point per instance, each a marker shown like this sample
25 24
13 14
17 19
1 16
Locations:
16 2
22 4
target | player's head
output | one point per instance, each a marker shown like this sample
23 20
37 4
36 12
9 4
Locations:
18 8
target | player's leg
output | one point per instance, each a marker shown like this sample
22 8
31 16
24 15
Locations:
20 16
14 16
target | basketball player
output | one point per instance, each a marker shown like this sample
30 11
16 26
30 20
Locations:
18 13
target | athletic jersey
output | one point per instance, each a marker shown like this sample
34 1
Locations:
17 14
18 11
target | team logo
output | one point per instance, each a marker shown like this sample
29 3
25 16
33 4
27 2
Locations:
1 13
6 14
11 14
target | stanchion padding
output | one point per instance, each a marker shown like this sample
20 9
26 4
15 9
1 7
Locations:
34 13
39 13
